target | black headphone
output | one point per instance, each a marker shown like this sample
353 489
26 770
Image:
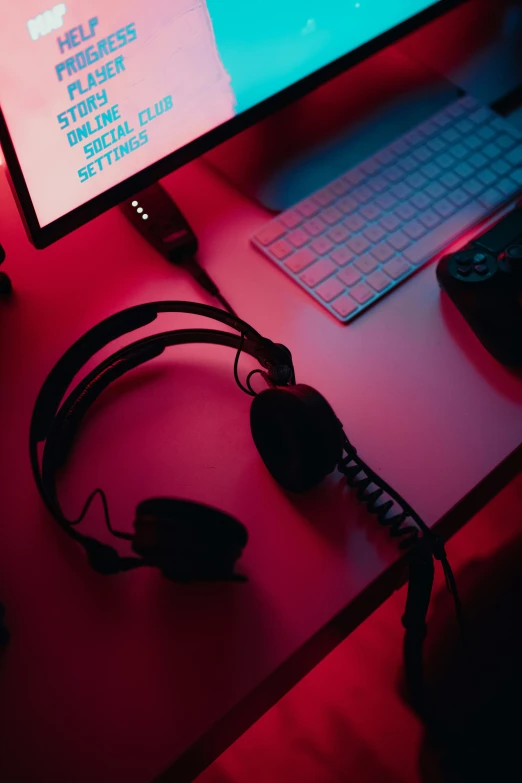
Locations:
296 432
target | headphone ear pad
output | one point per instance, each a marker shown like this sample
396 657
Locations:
188 540
297 434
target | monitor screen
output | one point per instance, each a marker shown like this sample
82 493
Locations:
92 93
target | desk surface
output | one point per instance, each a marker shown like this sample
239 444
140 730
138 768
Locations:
121 678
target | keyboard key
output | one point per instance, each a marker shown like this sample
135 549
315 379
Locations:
270 233
354 177
347 205
515 156
354 223
362 194
492 151
370 212
473 141
370 166
486 132
430 218
399 147
478 160
298 237
501 167
459 151
428 128
349 276
431 170
413 138
330 289
321 246
517 176
504 126
324 197
492 198
437 145
435 190
416 181
508 187
450 180
456 109
339 187
459 197
314 227
481 116
451 136
358 244
366 264
308 208
378 184
401 191
300 259
405 212
443 119
382 252
396 268
399 240
378 281
318 272
469 102
487 176
435 241
280 249
291 219
414 229
344 305
408 163
341 255
394 173
464 127
361 293
445 161
444 207
331 215
374 233
473 187
338 234
390 222
505 142
423 154
464 170
420 201
386 201
385 157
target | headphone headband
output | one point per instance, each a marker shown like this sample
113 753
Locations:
265 351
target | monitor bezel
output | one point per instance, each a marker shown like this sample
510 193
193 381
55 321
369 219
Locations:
42 236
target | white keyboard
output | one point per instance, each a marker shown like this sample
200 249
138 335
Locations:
356 239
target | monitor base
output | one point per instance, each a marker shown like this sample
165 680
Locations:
308 143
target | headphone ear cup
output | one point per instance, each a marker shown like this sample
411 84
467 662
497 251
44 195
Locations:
188 540
297 434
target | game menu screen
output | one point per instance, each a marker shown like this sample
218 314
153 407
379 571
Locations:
92 92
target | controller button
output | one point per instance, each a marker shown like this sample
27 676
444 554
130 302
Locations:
464 271
478 258
515 251
481 269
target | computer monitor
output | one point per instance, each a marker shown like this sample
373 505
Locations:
99 100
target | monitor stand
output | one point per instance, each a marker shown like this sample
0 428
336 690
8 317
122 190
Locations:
310 142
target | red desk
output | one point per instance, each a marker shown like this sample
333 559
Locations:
121 678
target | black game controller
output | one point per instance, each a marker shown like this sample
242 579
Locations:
484 281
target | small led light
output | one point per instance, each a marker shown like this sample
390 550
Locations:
134 203
139 210
144 216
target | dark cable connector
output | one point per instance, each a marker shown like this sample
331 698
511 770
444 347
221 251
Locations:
159 220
